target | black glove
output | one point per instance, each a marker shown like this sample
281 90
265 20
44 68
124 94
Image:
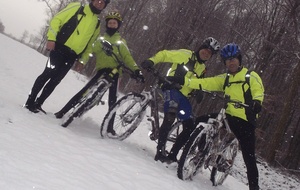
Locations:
147 65
176 79
138 75
167 86
256 106
107 47
181 70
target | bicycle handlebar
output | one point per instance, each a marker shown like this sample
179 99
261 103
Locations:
226 98
108 49
163 79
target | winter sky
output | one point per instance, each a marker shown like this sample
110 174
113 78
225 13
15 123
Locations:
20 15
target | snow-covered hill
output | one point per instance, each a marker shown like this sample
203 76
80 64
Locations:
37 153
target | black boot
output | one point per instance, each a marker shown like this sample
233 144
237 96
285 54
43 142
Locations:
30 105
163 135
173 156
110 128
59 114
38 106
160 156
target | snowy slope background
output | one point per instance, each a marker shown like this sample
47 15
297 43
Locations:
37 153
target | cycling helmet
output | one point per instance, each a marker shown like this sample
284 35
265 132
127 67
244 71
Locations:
114 15
212 44
230 51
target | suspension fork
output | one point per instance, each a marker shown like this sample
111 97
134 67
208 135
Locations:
154 116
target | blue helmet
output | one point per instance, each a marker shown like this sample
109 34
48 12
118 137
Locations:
230 51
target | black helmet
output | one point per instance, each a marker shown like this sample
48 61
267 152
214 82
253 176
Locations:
211 44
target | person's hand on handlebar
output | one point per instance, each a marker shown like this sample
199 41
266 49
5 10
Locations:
176 79
138 75
107 47
147 65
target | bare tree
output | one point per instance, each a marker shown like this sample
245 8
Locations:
24 36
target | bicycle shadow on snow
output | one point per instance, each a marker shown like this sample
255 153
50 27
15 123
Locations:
86 127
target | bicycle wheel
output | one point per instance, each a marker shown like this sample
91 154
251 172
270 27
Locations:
224 163
176 129
125 116
194 154
91 98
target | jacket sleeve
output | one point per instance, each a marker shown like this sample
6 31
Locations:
60 19
211 84
165 56
256 86
127 57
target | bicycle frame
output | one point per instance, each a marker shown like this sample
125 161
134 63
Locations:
211 144
150 99
215 129
219 131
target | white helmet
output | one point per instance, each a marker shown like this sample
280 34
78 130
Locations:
212 44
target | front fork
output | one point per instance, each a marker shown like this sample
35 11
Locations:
154 119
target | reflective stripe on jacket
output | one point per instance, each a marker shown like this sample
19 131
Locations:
178 57
85 32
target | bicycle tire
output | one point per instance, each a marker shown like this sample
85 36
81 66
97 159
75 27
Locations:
91 99
124 125
176 129
218 175
194 154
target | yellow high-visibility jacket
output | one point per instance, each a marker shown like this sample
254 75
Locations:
85 33
119 48
181 56
237 90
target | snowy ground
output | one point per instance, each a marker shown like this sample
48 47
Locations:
37 153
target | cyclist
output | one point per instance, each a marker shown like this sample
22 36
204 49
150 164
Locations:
105 63
65 44
185 63
242 121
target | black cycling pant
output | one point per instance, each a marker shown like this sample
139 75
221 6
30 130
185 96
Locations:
59 63
245 133
188 127
164 129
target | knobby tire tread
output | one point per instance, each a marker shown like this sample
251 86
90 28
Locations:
113 110
191 143
84 106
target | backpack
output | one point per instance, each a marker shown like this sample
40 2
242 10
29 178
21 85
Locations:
247 80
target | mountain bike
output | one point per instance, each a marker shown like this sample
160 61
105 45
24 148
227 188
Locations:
212 145
129 111
94 94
